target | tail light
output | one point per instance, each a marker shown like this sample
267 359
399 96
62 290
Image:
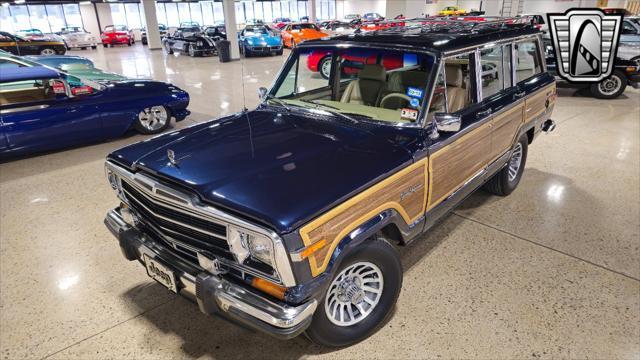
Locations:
81 90
58 87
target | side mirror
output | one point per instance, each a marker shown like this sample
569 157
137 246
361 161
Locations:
262 93
448 122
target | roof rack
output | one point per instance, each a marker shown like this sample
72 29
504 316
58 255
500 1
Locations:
471 24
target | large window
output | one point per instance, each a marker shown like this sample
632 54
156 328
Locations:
46 18
527 60
127 14
493 70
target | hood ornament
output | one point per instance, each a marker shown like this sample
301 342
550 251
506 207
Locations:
172 158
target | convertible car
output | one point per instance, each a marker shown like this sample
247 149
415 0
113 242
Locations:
75 65
295 33
44 109
451 10
189 40
335 27
259 39
320 61
117 35
77 37
20 46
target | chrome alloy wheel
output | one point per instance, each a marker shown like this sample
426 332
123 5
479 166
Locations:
326 68
515 162
153 118
610 86
47 51
192 50
354 294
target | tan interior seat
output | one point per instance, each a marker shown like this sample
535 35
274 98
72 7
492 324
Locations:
400 81
367 88
456 94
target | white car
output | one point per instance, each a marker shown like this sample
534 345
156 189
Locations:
337 28
77 37
537 20
629 52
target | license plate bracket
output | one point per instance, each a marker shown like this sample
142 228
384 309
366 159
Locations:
160 273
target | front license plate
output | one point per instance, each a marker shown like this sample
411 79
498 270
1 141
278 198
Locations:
160 273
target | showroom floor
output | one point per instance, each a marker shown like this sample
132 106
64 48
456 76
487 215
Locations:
551 271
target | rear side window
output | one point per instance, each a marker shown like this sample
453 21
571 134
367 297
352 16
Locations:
495 70
28 91
527 60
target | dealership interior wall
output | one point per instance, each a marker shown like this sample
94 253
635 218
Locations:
550 271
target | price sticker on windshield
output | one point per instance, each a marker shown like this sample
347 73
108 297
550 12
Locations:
415 92
409 114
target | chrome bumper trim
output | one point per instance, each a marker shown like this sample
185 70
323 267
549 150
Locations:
227 295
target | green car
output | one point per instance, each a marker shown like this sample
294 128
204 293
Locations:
77 66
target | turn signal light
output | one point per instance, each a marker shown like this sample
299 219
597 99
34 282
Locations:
270 288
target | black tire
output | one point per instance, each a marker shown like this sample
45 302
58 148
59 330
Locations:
83 48
382 254
167 48
191 50
94 47
105 45
501 183
247 53
618 78
130 42
280 52
321 66
142 130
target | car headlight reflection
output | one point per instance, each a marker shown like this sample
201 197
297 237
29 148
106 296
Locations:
245 243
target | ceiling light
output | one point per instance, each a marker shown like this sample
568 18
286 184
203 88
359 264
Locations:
85 2
19 2
5 4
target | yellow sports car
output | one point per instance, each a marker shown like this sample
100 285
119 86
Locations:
452 10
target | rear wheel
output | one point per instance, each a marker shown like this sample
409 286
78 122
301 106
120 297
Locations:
130 42
47 51
506 180
168 48
152 120
105 45
191 50
611 87
360 296
94 47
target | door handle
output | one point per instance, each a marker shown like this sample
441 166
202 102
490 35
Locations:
520 94
484 112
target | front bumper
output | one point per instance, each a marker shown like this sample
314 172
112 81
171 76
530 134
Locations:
111 41
214 294
265 49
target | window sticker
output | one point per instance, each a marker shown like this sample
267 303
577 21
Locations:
414 103
415 92
409 114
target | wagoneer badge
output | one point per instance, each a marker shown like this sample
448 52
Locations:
585 43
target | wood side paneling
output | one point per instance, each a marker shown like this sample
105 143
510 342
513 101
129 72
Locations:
451 166
536 104
505 128
404 192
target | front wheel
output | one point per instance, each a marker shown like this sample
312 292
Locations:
506 180
611 87
152 120
191 50
325 67
360 297
168 48
94 47
105 45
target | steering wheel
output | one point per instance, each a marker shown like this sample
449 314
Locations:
385 99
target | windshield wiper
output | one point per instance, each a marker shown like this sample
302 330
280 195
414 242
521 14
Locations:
277 101
332 112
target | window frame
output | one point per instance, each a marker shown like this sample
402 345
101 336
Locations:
541 59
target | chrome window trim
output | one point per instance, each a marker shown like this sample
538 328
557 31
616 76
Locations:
24 108
190 202
541 57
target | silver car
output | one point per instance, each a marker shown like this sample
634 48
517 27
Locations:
630 33
77 37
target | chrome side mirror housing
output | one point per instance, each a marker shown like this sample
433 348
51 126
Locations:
262 93
445 122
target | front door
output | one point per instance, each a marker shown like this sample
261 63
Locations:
456 158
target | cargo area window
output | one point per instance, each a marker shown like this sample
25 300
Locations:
496 74
527 60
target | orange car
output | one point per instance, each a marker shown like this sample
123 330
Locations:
296 33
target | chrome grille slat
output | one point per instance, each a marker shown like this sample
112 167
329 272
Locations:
132 197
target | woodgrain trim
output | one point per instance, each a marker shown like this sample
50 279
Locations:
535 104
404 192
452 159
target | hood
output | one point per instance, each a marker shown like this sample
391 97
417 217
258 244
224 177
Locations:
280 170
268 39
311 34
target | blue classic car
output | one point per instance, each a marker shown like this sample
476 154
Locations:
43 109
286 218
259 39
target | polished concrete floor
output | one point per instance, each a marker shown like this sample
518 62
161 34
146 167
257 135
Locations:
552 271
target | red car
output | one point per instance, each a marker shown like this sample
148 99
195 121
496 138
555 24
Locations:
320 61
117 35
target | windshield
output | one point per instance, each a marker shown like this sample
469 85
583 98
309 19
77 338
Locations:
72 30
112 28
304 26
29 32
250 31
360 83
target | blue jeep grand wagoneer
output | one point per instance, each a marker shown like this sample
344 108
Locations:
285 218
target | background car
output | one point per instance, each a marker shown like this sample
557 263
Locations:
36 34
163 31
320 61
36 103
296 33
372 17
629 52
117 35
630 32
335 27
259 39
189 41
451 10
216 32
77 37
281 22
75 65
20 46
351 17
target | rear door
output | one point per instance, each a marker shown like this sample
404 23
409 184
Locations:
532 82
500 98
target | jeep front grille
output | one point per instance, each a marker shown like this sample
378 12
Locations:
173 222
